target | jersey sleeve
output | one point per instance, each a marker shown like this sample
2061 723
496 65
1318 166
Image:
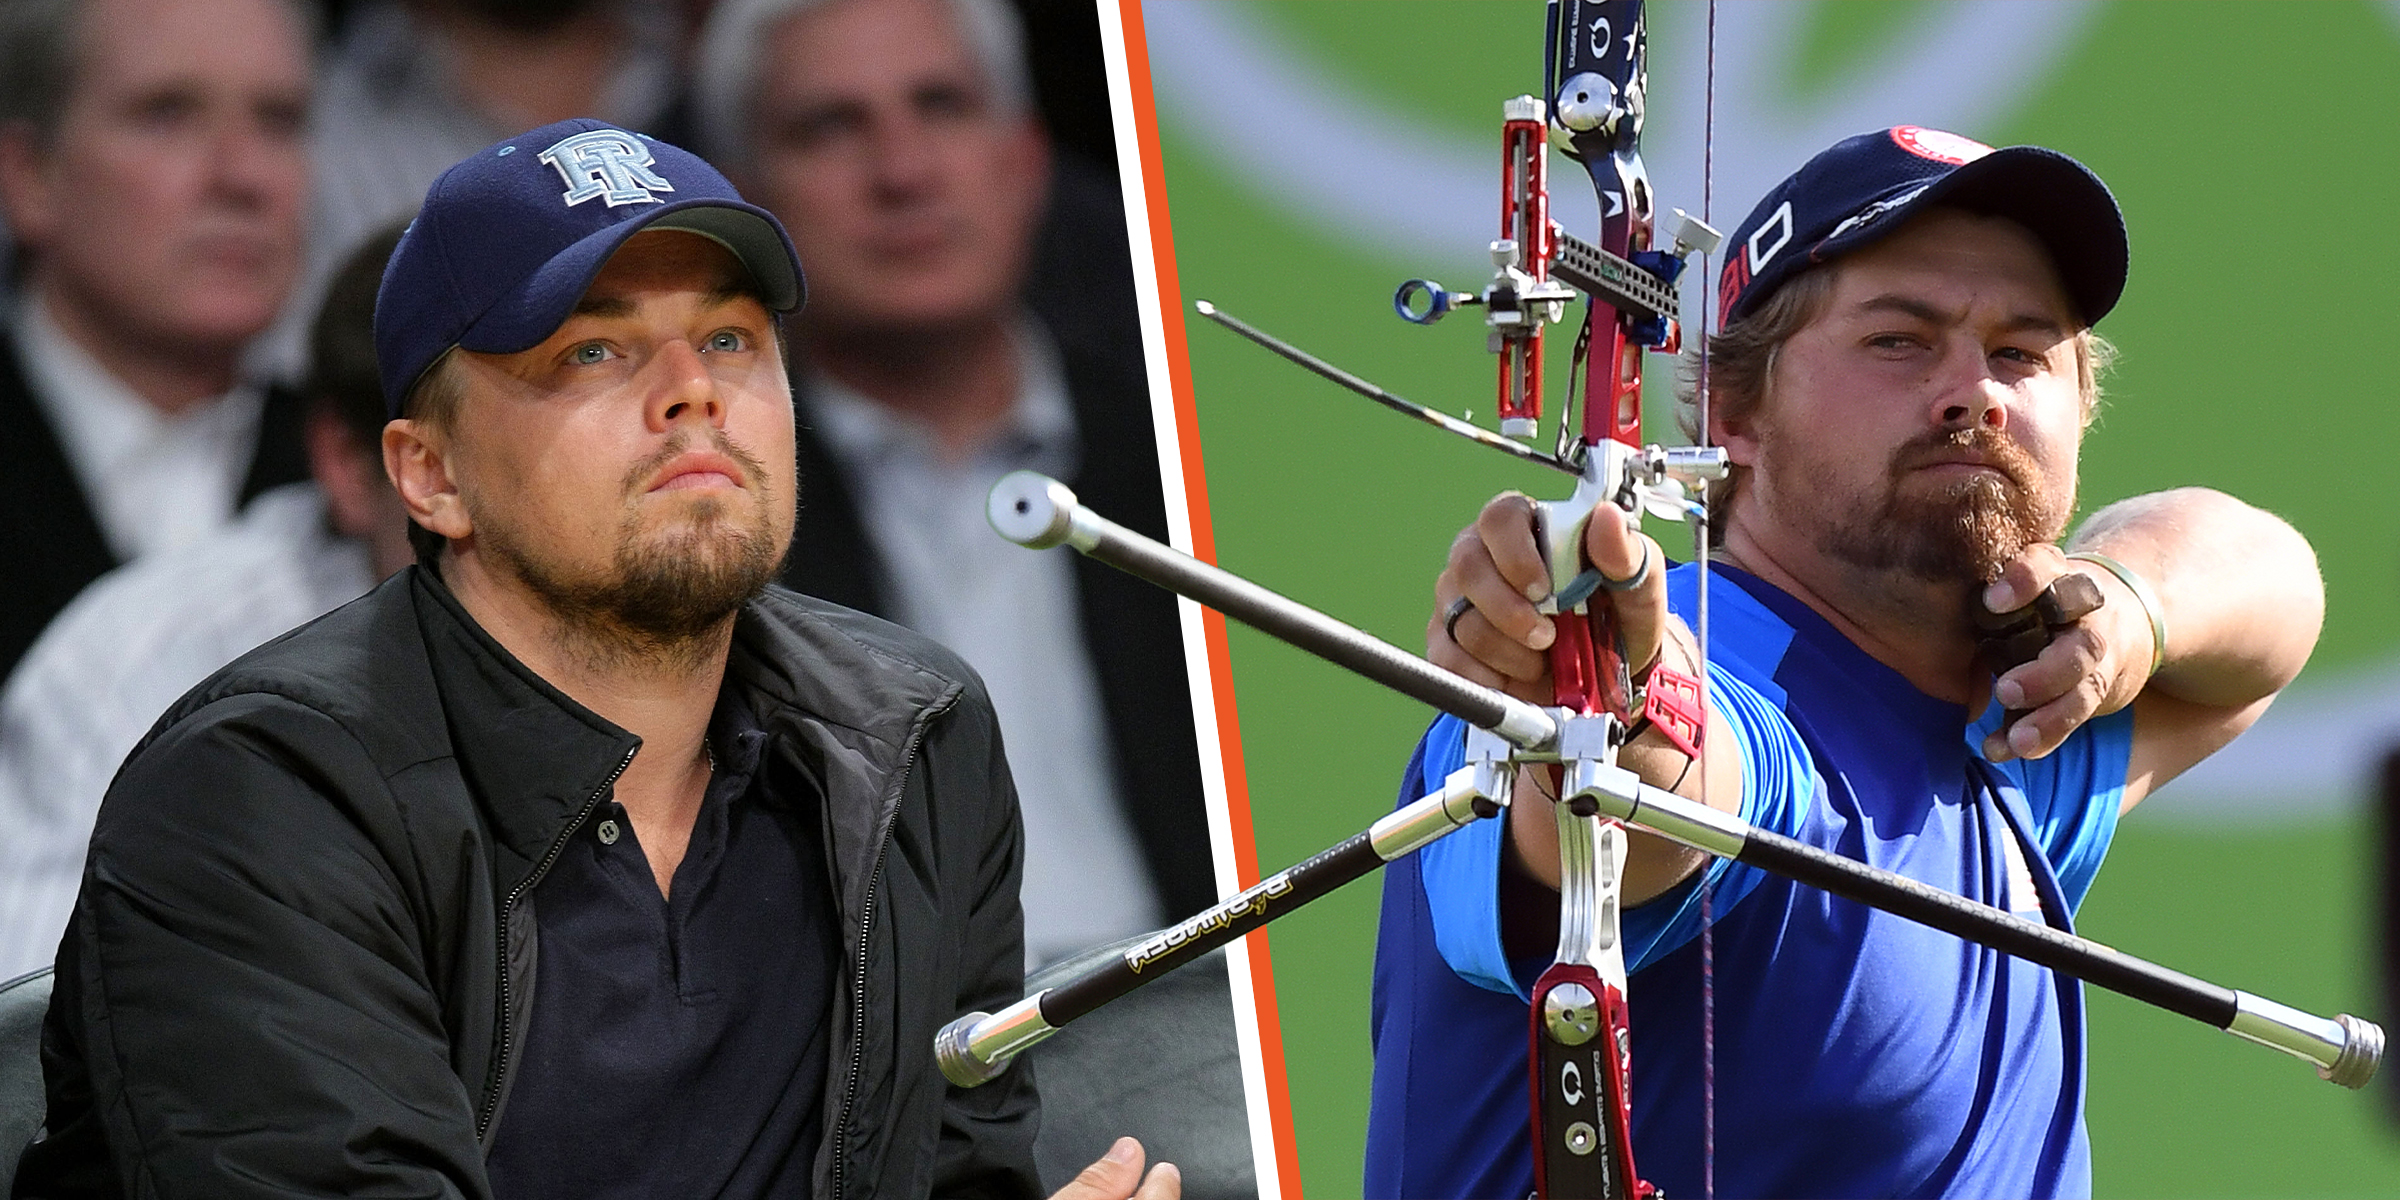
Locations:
2072 795
1461 872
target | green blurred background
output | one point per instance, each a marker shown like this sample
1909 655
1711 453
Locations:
2251 146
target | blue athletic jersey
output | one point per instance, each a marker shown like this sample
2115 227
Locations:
1857 1054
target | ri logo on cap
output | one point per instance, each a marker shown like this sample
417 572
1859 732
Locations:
610 164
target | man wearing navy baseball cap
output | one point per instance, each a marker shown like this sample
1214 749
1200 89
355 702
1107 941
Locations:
575 859
1902 382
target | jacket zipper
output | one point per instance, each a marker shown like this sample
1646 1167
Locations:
491 1098
866 929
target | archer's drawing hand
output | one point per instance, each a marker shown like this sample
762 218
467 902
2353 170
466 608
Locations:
2090 668
1113 1177
1500 639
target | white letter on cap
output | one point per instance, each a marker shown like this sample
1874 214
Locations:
1781 223
608 163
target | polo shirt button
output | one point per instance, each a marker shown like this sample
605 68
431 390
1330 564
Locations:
608 833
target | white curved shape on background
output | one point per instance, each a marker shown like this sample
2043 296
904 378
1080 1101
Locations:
1346 163
1966 67
2317 755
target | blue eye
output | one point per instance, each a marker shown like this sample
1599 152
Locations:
725 339
590 354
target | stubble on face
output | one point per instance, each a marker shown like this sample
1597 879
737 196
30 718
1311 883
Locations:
1917 423
674 580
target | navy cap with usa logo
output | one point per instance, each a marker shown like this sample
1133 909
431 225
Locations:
509 239
1867 186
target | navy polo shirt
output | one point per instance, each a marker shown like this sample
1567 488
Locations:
1857 1053
678 1047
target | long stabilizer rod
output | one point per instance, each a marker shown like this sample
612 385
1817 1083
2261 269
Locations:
2345 1049
977 1047
1037 511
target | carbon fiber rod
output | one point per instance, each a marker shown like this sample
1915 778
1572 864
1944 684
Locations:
2345 1049
1391 400
976 1048
1037 511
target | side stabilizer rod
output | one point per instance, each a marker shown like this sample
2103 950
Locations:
2344 1049
976 1048
1391 400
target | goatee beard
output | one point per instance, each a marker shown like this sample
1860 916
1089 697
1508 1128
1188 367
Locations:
670 590
1969 529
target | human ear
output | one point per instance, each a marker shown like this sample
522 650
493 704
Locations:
1736 437
416 458
25 190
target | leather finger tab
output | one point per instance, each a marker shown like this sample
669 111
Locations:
2068 599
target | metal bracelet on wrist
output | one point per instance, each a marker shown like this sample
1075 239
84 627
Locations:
2142 595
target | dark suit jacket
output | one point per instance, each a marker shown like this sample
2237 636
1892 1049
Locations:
50 539
1129 626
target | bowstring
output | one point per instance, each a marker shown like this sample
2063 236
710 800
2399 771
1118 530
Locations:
1701 535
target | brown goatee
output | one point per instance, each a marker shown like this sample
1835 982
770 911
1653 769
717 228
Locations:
1969 529
669 588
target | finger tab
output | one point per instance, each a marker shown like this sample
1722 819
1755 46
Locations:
2068 599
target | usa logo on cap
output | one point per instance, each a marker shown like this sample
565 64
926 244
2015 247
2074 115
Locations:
1864 187
1938 145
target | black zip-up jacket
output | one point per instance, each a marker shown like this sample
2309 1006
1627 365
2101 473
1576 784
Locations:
305 949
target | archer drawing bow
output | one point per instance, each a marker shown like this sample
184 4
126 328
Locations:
1592 109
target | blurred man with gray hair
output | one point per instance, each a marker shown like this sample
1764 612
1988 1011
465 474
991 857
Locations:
897 140
153 179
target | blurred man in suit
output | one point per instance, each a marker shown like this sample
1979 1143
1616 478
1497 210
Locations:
898 142
153 176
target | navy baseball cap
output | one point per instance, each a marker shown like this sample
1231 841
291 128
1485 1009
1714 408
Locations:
509 239
1869 185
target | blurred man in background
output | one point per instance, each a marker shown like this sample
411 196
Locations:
897 141
153 176
412 86
137 639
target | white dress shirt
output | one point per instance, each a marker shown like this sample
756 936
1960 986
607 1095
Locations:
105 669
155 480
1015 616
